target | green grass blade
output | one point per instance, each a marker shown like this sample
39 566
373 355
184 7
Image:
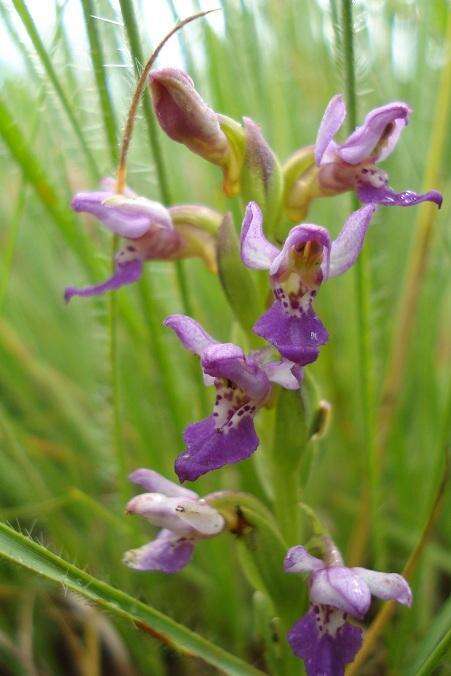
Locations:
33 556
33 33
436 657
98 61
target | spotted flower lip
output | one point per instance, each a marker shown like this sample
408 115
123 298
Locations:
243 384
183 517
151 232
307 258
351 165
323 638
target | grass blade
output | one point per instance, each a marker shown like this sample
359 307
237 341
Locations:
33 556
32 31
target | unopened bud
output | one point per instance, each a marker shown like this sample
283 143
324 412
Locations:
321 420
186 118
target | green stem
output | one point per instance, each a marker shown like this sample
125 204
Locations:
363 295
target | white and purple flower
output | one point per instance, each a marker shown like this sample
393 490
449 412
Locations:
151 231
243 385
183 517
323 638
307 259
351 165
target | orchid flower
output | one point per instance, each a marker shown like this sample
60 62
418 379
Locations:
243 385
324 638
351 165
296 272
151 231
183 516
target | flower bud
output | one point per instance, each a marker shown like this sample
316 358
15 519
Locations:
186 118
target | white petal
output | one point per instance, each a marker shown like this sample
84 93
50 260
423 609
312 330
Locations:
201 516
386 585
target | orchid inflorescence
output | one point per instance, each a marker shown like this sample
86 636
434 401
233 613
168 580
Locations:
299 262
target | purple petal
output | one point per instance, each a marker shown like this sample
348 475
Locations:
341 588
200 516
299 235
155 483
374 136
324 654
388 197
283 373
208 449
298 560
256 251
226 360
167 553
190 332
347 246
333 118
126 273
161 511
386 585
297 338
125 216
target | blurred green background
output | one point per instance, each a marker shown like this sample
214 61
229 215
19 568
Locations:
278 62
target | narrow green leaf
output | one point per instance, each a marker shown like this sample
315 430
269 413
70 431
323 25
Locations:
33 556
236 280
434 637
436 658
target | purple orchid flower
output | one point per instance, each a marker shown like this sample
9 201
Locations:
151 232
307 259
183 516
323 638
351 165
243 385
